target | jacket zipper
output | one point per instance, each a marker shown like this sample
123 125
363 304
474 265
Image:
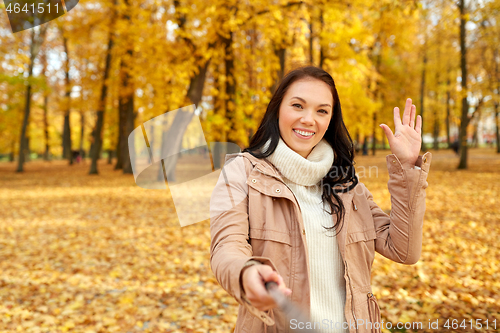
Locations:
352 297
345 263
300 210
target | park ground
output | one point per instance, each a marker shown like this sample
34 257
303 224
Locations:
83 253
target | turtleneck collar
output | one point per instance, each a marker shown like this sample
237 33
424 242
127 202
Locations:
302 171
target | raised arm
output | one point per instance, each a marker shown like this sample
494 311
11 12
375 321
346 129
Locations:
399 236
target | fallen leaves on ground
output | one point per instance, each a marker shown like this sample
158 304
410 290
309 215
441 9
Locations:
89 254
458 274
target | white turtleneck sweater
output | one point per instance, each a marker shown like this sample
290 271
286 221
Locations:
303 176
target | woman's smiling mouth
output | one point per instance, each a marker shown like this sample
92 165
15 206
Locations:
303 134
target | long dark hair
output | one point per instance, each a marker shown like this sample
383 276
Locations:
341 177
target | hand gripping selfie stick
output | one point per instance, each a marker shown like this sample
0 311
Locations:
291 310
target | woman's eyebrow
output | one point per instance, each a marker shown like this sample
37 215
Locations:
303 100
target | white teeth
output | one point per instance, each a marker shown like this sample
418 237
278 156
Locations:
304 133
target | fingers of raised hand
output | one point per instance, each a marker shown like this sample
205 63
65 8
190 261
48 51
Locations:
412 116
407 112
418 127
397 117
387 132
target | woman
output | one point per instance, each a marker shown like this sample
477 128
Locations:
290 209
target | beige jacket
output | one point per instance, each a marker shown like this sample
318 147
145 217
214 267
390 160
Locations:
254 215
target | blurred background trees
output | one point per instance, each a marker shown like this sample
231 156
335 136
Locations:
78 85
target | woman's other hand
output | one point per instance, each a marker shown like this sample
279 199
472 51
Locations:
253 281
407 139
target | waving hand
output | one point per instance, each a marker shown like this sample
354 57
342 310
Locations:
406 141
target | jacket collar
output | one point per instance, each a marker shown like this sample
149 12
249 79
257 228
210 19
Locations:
262 164
268 168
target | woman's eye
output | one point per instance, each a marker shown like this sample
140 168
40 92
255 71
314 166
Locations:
322 110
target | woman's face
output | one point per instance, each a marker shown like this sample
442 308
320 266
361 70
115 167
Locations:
305 113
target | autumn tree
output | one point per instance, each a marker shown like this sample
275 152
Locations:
464 120
37 36
97 132
66 139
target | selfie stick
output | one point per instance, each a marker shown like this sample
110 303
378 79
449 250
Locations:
291 310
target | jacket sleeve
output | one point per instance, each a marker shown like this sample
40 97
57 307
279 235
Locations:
399 235
230 247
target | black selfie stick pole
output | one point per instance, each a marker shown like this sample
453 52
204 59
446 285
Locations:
291 310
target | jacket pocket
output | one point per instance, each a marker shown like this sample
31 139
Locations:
361 245
270 235
361 236
360 254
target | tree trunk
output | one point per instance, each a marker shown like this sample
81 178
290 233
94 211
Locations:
356 146
376 93
422 94
125 107
280 53
67 153
497 111
129 118
126 98
220 135
27 108
92 142
230 87
121 126
365 146
12 147
196 84
497 123
311 36
45 107
46 126
182 119
436 132
465 105
448 98
478 121
251 74
110 156
28 150
172 141
82 128
97 133
374 133
475 135
321 52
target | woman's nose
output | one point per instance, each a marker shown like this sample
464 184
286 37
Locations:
307 118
